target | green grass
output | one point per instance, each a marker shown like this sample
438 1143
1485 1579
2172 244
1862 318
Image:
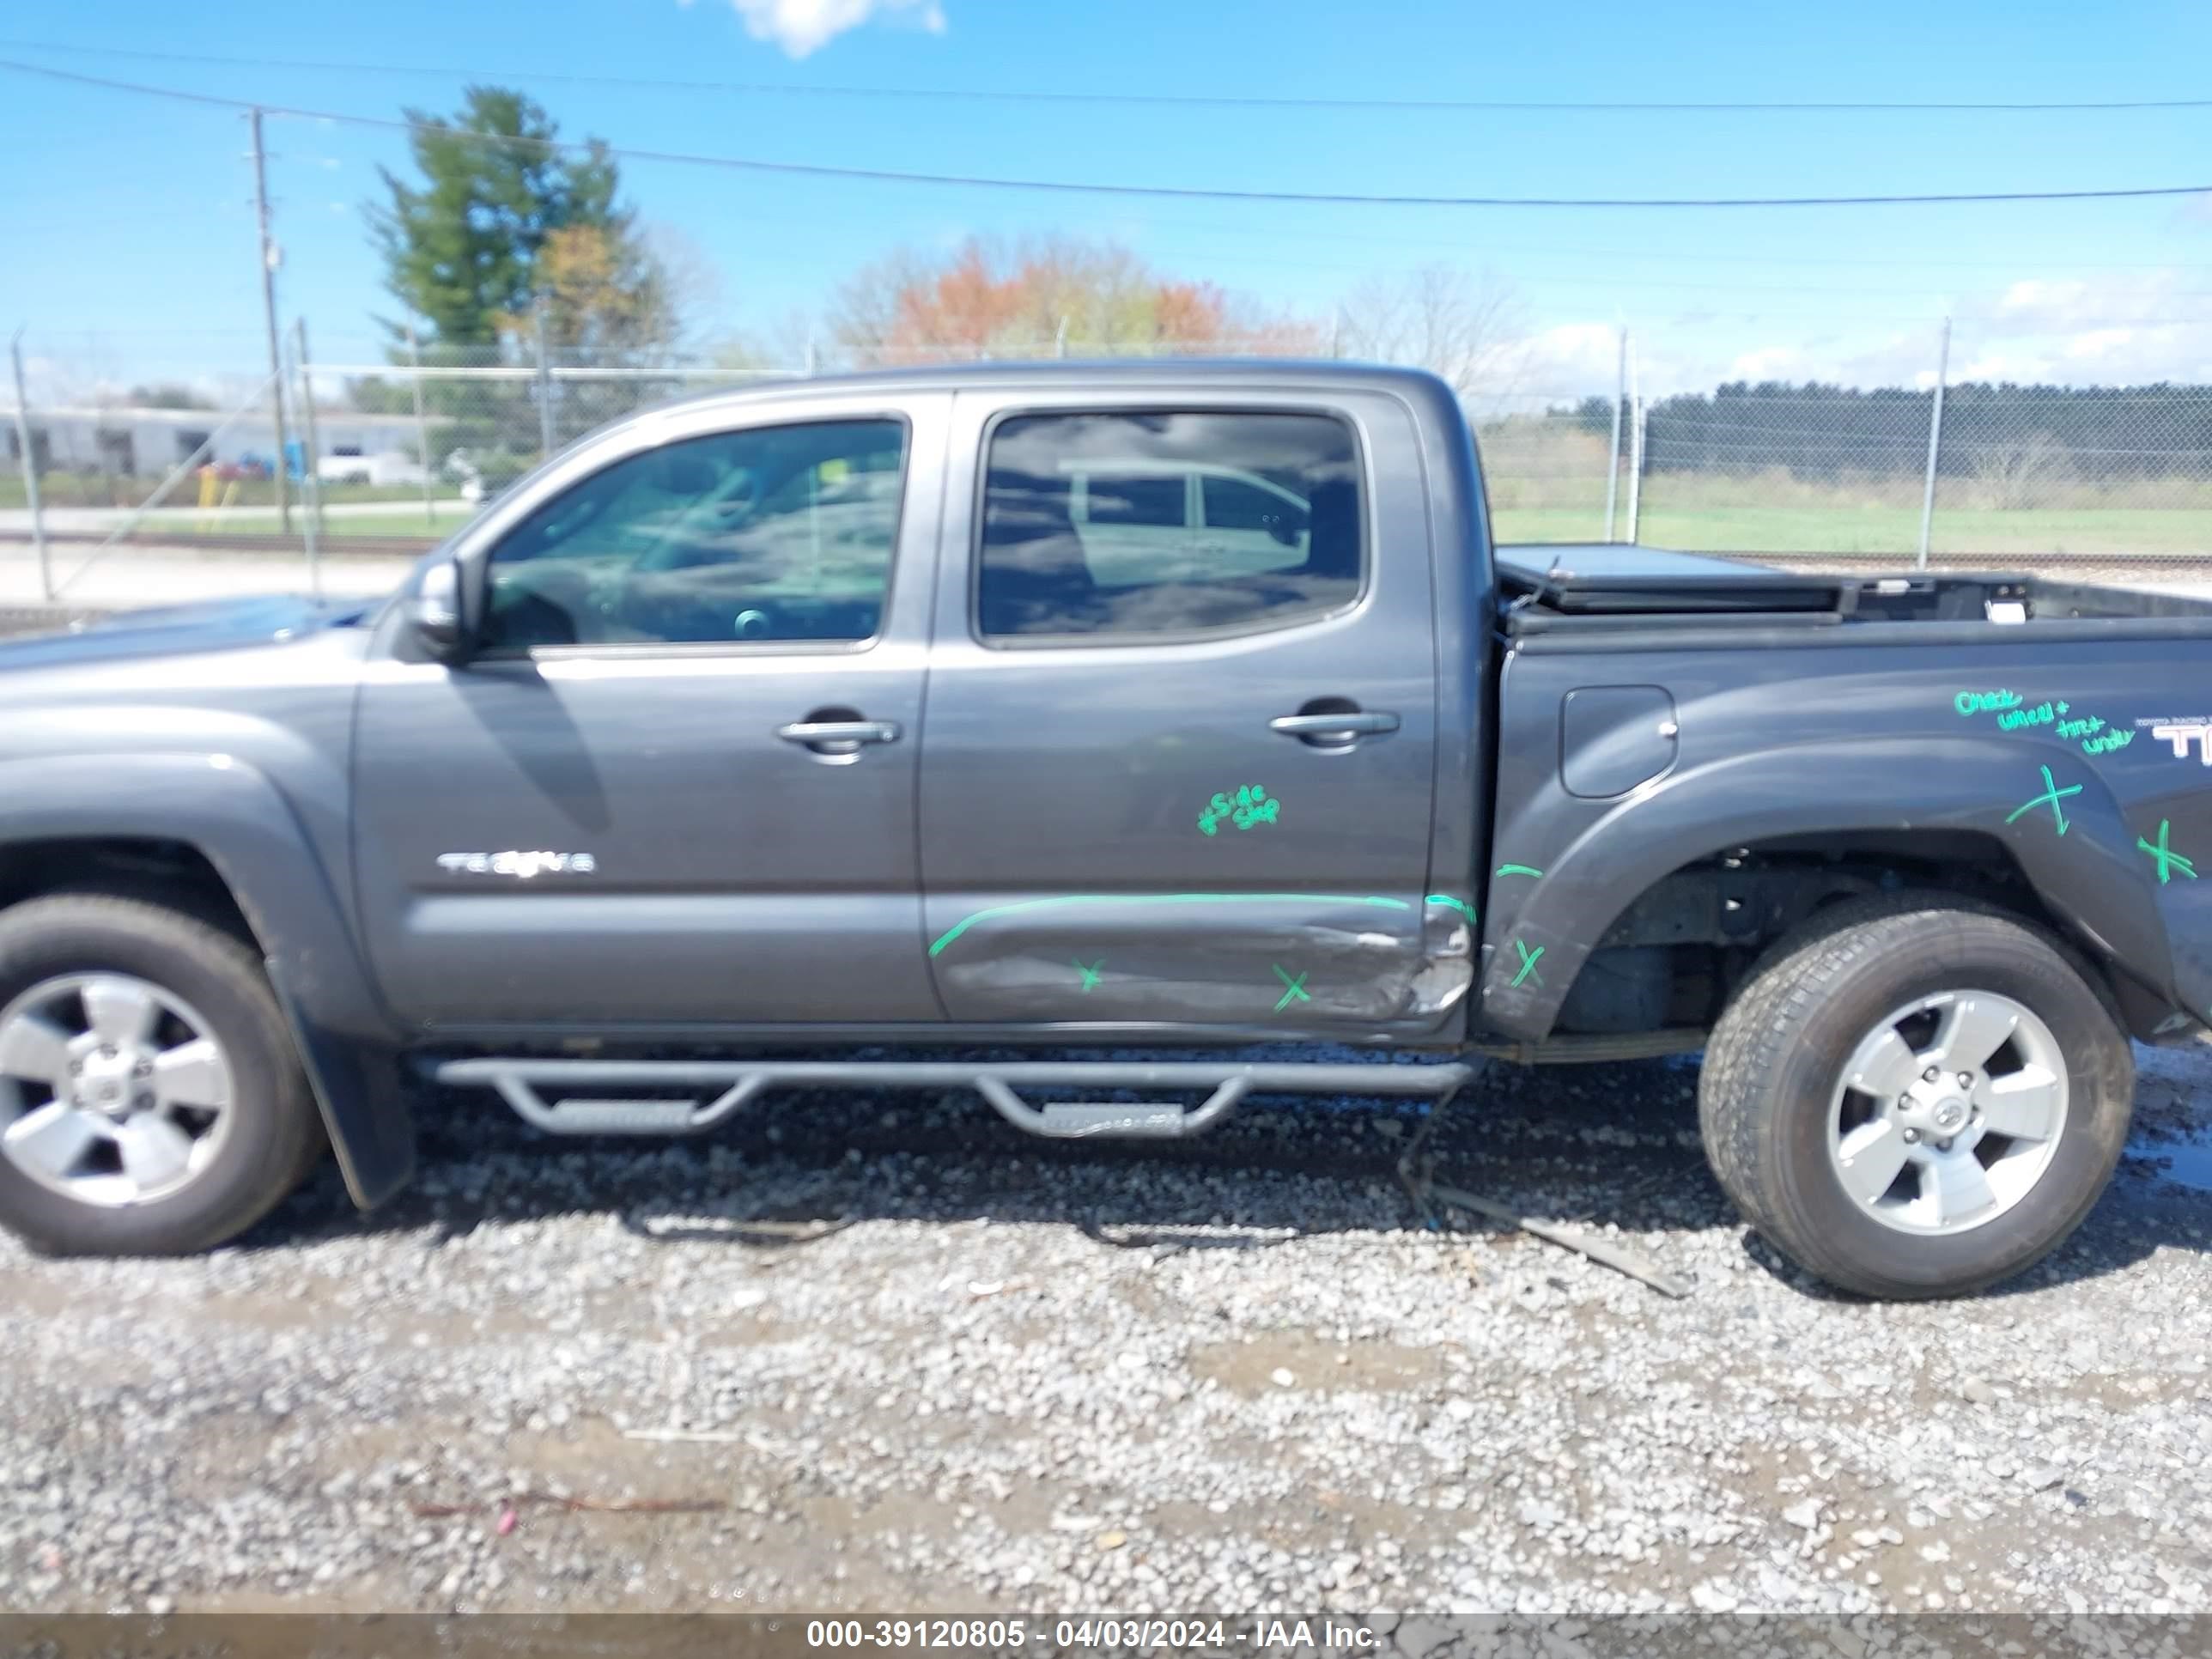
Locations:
1808 528
2178 531
400 521
1763 513
97 489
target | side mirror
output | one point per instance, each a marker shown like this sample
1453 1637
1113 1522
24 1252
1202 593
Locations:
1286 526
434 612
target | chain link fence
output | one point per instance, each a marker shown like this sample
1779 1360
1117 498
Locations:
2036 476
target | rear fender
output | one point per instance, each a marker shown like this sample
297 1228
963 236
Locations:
1541 930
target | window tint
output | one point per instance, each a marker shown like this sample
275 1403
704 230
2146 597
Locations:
776 533
1286 542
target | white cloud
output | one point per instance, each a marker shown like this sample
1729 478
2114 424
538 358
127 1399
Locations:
2128 328
801 26
2016 365
1764 364
2098 343
1573 351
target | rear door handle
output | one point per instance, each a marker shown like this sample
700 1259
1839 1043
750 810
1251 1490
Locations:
812 732
1340 727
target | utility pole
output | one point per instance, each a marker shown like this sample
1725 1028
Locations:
1934 441
310 480
30 469
422 428
1635 452
269 258
544 382
1612 455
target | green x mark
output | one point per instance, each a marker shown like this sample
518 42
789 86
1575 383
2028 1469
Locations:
2052 795
1295 990
1090 974
2168 859
1528 961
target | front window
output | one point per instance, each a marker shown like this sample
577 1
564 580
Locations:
781 532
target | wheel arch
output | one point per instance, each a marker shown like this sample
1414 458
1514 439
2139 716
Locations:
2083 884
231 850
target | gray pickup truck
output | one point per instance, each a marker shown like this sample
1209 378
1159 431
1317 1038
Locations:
1160 706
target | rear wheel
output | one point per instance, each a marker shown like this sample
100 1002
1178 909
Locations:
1914 1098
151 1102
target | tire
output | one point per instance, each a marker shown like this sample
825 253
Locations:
1782 1116
253 1138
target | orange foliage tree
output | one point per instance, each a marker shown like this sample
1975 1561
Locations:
986 299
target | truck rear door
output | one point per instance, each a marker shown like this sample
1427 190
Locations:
1179 748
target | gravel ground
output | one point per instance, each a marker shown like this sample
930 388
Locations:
901 1358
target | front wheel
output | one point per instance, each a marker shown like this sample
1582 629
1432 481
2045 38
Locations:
151 1102
1914 1098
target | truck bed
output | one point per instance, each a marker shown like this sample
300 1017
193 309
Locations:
1709 729
1543 588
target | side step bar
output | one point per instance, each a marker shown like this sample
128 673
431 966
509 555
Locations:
524 1083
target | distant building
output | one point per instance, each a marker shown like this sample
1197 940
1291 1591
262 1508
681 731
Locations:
148 442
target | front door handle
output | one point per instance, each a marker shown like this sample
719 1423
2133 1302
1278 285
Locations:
838 737
1334 728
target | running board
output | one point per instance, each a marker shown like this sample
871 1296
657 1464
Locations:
523 1083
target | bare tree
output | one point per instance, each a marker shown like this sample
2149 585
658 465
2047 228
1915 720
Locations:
1469 328
2019 472
693 285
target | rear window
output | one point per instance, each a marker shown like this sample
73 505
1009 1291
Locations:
1108 499
1088 531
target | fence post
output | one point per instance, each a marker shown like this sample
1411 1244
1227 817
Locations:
1612 455
545 384
1635 453
310 475
1060 339
810 358
1935 439
30 469
421 430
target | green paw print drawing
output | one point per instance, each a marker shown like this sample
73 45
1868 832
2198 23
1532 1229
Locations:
1252 806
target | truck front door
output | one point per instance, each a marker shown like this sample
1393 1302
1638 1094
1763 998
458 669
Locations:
674 785
1175 776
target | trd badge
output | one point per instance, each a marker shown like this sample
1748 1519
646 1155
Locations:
521 865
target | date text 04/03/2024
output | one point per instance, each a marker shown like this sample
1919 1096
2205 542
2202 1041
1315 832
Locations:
1246 1635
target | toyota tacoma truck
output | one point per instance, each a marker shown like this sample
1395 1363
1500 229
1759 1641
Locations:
766 737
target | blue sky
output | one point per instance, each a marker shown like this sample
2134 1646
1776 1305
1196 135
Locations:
127 243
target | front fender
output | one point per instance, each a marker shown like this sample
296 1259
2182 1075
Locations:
230 812
2089 877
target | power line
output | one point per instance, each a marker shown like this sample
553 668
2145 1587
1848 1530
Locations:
1178 232
884 175
1199 100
